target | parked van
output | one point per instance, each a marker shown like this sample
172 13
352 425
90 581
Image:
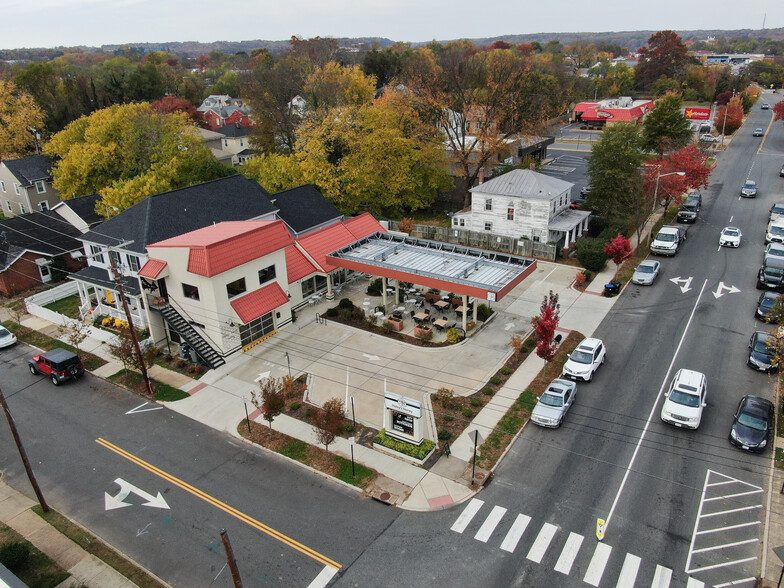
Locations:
775 232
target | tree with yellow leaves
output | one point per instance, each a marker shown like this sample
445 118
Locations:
20 118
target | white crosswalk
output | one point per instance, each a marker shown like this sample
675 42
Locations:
546 537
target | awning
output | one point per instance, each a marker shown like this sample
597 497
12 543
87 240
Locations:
154 269
568 219
260 302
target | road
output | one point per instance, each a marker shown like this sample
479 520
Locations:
676 496
208 480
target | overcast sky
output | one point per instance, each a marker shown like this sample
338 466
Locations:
50 23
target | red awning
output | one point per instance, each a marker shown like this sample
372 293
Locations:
260 302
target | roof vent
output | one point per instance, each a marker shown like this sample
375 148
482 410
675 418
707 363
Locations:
3 237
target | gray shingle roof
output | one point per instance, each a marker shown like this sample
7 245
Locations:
42 232
523 183
233 131
304 208
29 169
84 207
173 213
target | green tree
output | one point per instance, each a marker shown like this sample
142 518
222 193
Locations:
664 85
665 55
20 117
666 128
128 152
335 85
619 81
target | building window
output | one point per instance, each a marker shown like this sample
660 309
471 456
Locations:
114 258
133 263
97 254
2 185
22 208
191 292
488 226
510 214
43 205
40 187
46 273
462 222
225 142
536 238
489 204
454 222
235 288
8 206
16 188
266 274
256 329
242 142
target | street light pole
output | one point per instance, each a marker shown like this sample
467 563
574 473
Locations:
656 195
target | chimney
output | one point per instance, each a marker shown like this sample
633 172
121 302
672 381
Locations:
481 175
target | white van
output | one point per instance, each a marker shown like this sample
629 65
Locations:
775 232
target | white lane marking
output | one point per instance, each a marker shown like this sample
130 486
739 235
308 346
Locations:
631 565
513 536
541 543
569 553
719 529
596 568
692 583
665 381
732 217
491 522
324 577
662 577
734 583
468 513
731 511
712 484
733 544
738 495
722 565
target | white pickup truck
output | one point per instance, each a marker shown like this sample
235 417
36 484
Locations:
668 240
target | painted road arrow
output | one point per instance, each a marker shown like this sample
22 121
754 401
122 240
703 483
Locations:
262 376
113 502
509 326
139 409
686 283
729 290
371 357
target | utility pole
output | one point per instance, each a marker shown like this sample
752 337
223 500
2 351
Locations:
23 454
121 292
235 572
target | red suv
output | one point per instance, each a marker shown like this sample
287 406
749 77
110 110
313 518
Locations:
59 364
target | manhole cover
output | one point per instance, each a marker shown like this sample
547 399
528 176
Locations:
385 496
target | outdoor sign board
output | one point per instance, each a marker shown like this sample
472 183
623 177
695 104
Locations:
697 113
403 418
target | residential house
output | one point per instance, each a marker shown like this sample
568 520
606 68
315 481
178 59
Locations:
33 247
218 110
234 141
214 142
26 185
524 204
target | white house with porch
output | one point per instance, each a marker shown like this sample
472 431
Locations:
524 204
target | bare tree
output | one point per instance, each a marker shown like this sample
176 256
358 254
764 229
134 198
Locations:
270 399
329 421
74 332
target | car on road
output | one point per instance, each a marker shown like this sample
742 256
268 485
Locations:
554 403
752 424
585 190
776 211
758 132
709 138
59 364
730 237
762 356
765 106
7 338
685 399
749 189
646 273
766 305
585 360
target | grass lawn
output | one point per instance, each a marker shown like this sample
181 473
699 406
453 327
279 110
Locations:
68 306
45 342
99 549
38 571
134 381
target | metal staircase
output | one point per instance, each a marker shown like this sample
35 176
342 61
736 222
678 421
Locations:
203 349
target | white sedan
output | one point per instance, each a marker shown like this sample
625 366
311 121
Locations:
7 338
730 237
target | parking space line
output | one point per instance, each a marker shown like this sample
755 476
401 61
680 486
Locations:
541 543
513 536
722 565
569 553
733 544
491 522
729 528
593 574
693 583
725 481
662 577
738 495
326 574
734 583
731 511
631 565
468 513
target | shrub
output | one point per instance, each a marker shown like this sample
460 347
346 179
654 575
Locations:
199 369
415 451
374 288
454 336
467 412
591 255
505 371
611 232
476 402
332 312
345 303
191 369
483 312
495 380
406 225
530 342
295 405
348 427
168 357
309 411
448 418
444 435
487 391
181 363
14 555
445 397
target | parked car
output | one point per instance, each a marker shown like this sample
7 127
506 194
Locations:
765 106
585 360
554 403
689 211
585 190
773 250
762 357
758 132
776 211
771 274
709 138
646 273
765 307
749 189
685 399
668 240
752 424
775 231
781 171
7 338
59 364
730 237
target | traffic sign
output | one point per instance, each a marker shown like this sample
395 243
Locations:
601 524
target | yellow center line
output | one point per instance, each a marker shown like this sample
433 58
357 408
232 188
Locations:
221 505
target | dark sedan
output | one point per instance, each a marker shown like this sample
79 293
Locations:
762 352
766 306
752 424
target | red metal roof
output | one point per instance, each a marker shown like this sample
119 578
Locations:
319 243
259 302
221 247
152 269
590 111
297 265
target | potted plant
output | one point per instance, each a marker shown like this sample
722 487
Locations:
395 323
433 295
423 332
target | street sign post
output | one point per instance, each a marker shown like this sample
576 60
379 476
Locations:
601 524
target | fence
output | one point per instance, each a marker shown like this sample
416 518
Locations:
482 240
